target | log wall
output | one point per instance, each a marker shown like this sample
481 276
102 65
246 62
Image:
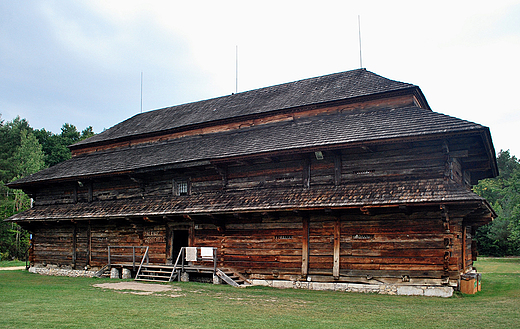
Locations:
377 163
53 244
344 246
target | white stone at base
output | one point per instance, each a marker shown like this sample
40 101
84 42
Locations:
61 272
127 274
387 289
114 273
185 277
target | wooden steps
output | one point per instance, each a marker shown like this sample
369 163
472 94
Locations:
167 273
232 278
102 273
156 273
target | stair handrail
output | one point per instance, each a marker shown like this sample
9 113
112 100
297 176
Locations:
179 256
145 256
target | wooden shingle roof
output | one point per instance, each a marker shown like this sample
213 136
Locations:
394 193
320 90
299 134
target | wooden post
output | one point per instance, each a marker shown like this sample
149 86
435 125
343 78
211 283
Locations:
306 178
89 244
337 169
90 191
464 246
133 257
337 244
75 193
305 245
74 243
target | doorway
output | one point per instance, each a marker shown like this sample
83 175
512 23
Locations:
178 238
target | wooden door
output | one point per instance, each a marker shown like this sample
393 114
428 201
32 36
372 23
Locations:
81 245
322 246
176 239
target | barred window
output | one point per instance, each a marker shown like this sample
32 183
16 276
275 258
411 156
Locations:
181 187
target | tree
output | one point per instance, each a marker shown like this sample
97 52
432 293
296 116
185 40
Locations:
10 140
55 146
21 155
28 157
24 151
502 236
14 241
87 133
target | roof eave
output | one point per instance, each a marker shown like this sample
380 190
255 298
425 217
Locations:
484 132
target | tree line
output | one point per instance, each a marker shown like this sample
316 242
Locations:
24 151
502 236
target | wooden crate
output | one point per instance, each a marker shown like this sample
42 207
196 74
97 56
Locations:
469 284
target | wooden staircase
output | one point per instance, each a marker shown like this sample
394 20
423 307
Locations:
156 273
232 278
168 273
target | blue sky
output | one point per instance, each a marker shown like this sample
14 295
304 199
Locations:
80 62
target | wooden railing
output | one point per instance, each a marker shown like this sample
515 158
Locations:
181 258
114 255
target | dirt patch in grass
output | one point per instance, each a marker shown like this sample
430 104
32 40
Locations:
138 288
12 268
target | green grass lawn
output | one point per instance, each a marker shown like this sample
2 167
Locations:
10 263
37 301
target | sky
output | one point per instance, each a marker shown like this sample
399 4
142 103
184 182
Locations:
81 62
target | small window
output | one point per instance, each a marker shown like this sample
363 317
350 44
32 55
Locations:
363 236
181 187
283 237
363 172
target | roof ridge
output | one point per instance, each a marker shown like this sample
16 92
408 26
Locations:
316 90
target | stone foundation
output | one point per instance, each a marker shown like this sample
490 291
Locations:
114 273
386 289
126 274
49 270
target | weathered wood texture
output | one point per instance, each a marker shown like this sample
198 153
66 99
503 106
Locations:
81 245
128 234
281 244
377 163
258 244
53 244
397 101
344 244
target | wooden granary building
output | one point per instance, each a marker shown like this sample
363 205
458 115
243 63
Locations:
348 177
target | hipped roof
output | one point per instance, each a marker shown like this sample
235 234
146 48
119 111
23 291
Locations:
320 90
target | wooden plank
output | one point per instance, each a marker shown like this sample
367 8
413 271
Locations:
464 232
305 246
337 244
306 172
337 169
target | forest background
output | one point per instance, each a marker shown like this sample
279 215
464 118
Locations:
24 150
